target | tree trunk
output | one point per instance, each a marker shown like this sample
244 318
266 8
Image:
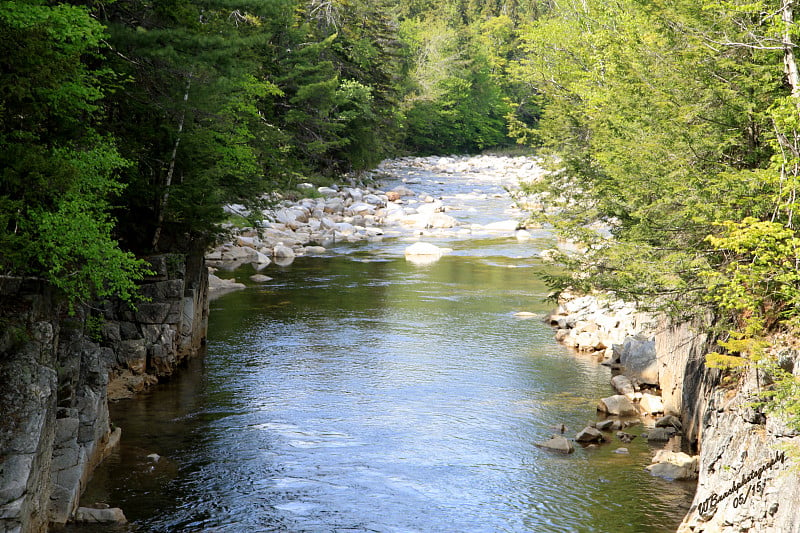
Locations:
162 207
789 60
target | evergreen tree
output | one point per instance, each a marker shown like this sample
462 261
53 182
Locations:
58 168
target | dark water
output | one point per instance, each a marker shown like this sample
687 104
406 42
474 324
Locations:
359 392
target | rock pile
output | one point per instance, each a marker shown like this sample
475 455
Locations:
359 213
594 323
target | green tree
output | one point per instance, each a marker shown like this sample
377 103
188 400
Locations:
58 172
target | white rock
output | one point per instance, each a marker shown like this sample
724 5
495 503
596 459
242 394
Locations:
218 284
327 191
90 515
441 221
617 405
282 251
503 225
623 385
239 253
674 466
262 259
344 228
423 248
651 404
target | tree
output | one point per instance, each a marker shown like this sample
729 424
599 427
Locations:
59 173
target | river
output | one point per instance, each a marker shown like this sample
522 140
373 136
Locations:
359 391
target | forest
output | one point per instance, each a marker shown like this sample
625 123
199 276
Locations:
127 125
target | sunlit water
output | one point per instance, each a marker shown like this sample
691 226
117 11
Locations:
359 392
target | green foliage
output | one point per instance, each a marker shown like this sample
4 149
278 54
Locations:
760 281
58 173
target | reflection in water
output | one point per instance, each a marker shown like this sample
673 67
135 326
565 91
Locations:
352 395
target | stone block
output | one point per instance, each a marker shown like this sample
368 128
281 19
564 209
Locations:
129 331
175 312
133 355
14 476
152 312
111 332
163 290
66 429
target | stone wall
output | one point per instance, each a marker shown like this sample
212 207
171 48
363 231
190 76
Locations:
57 372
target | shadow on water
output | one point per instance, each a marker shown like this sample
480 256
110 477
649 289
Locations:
353 394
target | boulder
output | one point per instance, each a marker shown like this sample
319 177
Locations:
218 284
402 190
660 434
674 466
260 278
262 259
558 444
638 358
441 221
669 421
622 451
651 404
617 405
589 434
90 515
239 253
424 249
625 437
623 385
605 425
282 252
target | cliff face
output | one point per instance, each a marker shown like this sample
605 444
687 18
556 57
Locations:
746 479
56 372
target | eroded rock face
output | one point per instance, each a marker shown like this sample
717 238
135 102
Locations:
56 372
638 358
746 480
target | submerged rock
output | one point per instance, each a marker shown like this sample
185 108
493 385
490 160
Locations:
90 515
557 444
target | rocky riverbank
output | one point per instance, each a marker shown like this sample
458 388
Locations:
59 372
742 458
409 207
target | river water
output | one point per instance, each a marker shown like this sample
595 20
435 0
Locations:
361 392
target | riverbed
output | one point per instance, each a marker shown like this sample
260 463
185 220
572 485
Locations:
360 391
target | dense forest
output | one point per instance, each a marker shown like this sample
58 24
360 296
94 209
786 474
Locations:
126 125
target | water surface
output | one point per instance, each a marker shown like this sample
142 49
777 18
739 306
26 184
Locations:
359 392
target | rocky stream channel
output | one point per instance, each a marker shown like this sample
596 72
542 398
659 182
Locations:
381 357
448 212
